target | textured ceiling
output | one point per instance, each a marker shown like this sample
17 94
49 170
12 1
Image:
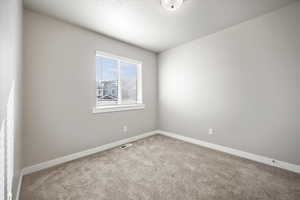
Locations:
146 24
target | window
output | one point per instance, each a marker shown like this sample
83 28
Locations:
118 83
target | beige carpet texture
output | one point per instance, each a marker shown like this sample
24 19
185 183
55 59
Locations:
161 168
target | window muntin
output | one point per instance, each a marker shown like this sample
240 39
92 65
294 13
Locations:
118 81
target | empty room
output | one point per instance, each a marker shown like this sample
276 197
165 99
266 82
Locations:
150 100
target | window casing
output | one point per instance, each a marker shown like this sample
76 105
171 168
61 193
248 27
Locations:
118 83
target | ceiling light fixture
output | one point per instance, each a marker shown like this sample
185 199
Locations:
171 5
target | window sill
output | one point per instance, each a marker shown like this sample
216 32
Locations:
117 108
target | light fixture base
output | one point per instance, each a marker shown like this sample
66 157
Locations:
171 5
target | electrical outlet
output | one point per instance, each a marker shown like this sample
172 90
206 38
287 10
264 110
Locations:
211 131
125 129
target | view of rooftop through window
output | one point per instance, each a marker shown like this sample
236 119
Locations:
116 81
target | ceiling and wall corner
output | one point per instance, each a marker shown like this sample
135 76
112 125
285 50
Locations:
164 30
146 24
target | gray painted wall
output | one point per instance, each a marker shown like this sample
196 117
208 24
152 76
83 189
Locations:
244 82
59 90
10 77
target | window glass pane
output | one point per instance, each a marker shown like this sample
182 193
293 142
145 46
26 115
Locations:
129 83
107 80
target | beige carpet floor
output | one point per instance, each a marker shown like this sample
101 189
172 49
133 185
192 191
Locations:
161 168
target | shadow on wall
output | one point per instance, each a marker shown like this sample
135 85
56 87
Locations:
7 131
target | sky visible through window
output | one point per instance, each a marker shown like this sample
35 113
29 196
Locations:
110 69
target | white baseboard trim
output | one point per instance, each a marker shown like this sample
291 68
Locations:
19 186
239 153
64 159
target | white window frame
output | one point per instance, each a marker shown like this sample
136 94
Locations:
121 107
